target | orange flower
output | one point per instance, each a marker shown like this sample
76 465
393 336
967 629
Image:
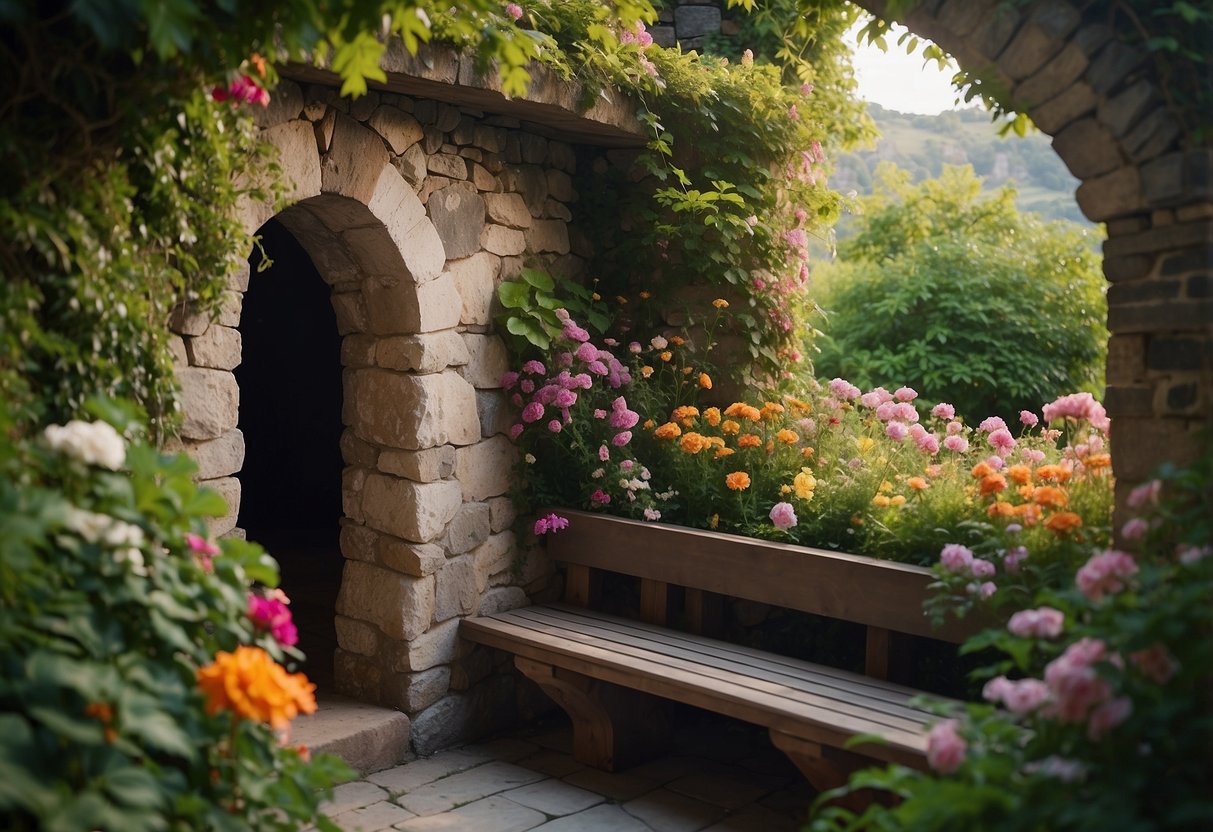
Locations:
685 414
720 303
677 340
797 404
918 483
648 424
1029 513
787 437
897 500
646 295
258 63
1050 496
1021 474
668 431
806 453
254 686
714 441
737 481
686 371
1063 522
729 427
881 501
770 446
1053 473
1001 508
981 469
666 356
712 416
748 440
693 443
992 484
1098 461
103 712
646 371
771 410
721 453
1025 491
705 381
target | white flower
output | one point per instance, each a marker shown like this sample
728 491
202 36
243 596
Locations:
134 557
659 343
123 534
530 459
93 443
87 524
652 514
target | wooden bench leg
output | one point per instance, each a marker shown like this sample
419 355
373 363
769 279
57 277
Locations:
825 767
613 727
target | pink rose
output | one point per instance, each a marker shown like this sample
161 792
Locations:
956 558
783 516
1044 622
946 749
1105 573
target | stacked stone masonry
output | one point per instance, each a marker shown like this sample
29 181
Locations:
1114 126
413 211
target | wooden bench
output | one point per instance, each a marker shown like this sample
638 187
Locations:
587 660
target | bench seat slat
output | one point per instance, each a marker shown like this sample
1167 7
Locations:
829 714
727 661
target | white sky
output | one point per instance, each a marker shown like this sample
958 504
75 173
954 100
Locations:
899 81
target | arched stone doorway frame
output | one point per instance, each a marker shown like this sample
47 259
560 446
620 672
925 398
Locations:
1113 127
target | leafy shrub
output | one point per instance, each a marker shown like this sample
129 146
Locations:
114 609
1106 719
982 306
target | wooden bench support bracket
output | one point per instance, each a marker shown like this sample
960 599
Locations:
613 727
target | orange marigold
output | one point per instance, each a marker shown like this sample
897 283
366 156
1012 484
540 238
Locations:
677 340
668 431
787 437
648 424
771 410
705 381
918 483
712 416
693 443
646 295
897 500
981 469
744 411
797 404
1050 496
748 440
992 484
666 355
723 452
1063 522
1098 461
729 427
1021 474
881 501
1001 508
685 414
806 452
1053 473
720 303
646 371
251 684
1029 513
714 441
737 481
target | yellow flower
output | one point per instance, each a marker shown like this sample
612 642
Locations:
897 500
648 424
666 356
804 483
720 303
737 481
712 416
668 431
705 381
729 427
715 441
797 404
787 437
254 686
785 489
596 296
885 487
714 522
918 483
864 443
646 371
881 501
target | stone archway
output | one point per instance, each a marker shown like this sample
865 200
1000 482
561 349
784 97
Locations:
1112 126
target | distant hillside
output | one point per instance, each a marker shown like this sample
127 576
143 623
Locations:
924 144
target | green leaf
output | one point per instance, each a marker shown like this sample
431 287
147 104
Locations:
539 279
134 787
514 295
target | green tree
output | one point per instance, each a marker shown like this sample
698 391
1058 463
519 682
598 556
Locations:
964 298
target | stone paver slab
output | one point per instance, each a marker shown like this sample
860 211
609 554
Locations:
755 819
508 749
466 787
729 786
373 818
665 811
616 786
601 818
551 763
554 797
493 814
410 776
352 795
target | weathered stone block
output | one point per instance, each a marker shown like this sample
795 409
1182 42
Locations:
217 348
468 529
357 542
456 589
229 489
357 636
355 451
401 606
502 598
493 556
508 209
560 186
353 479
417 512
430 465
435 647
482 179
285 104
298 158
429 353
502 241
356 676
1075 101
1125 109
417 559
350 310
483 469
399 129
411 165
1184 354
362 107
412 692
185 319
230 308
696 21
219 457
476 280
414 412
358 350
488 360
448 165
502 513
1052 79
210 402
531 182
1088 149
1111 195
1126 359
496 413
548 235
458 215
400 307
355 158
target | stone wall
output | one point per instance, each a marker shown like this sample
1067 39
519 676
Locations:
413 211
688 23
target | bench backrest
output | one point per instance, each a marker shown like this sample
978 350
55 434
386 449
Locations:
883 595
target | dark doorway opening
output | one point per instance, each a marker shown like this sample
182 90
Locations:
290 413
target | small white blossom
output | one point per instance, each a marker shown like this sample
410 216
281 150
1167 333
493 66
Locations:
93 443
530 459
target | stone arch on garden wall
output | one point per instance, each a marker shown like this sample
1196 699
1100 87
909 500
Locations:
411 210
1114 128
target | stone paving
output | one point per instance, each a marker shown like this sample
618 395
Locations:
719 776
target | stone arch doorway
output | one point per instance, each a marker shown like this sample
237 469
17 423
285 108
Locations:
290 417
1141 174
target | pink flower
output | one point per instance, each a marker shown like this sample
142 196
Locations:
783 516
509 379
906 412
1188 555
652 514
806 89
991 424
600 498
928 443
572 332
886 411
565 398
1028 418
200 545
551 523
1044 622
843 389
981 568
1105 573
1156 663
527 386
1077 406
624 419
943 410
1108 715
554 426
954 428
905 394
516 430
1135 529
271 613
1002 440
896 430
533 412
1020 697
751 220
243 90
956 558
534 368
514 11
984 590
792 113
876 398
1014 557
1032 455
946 749
956 443
622 438
1145 495
1073 681
597 368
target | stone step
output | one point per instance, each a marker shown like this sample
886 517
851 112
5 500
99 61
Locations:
368 737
